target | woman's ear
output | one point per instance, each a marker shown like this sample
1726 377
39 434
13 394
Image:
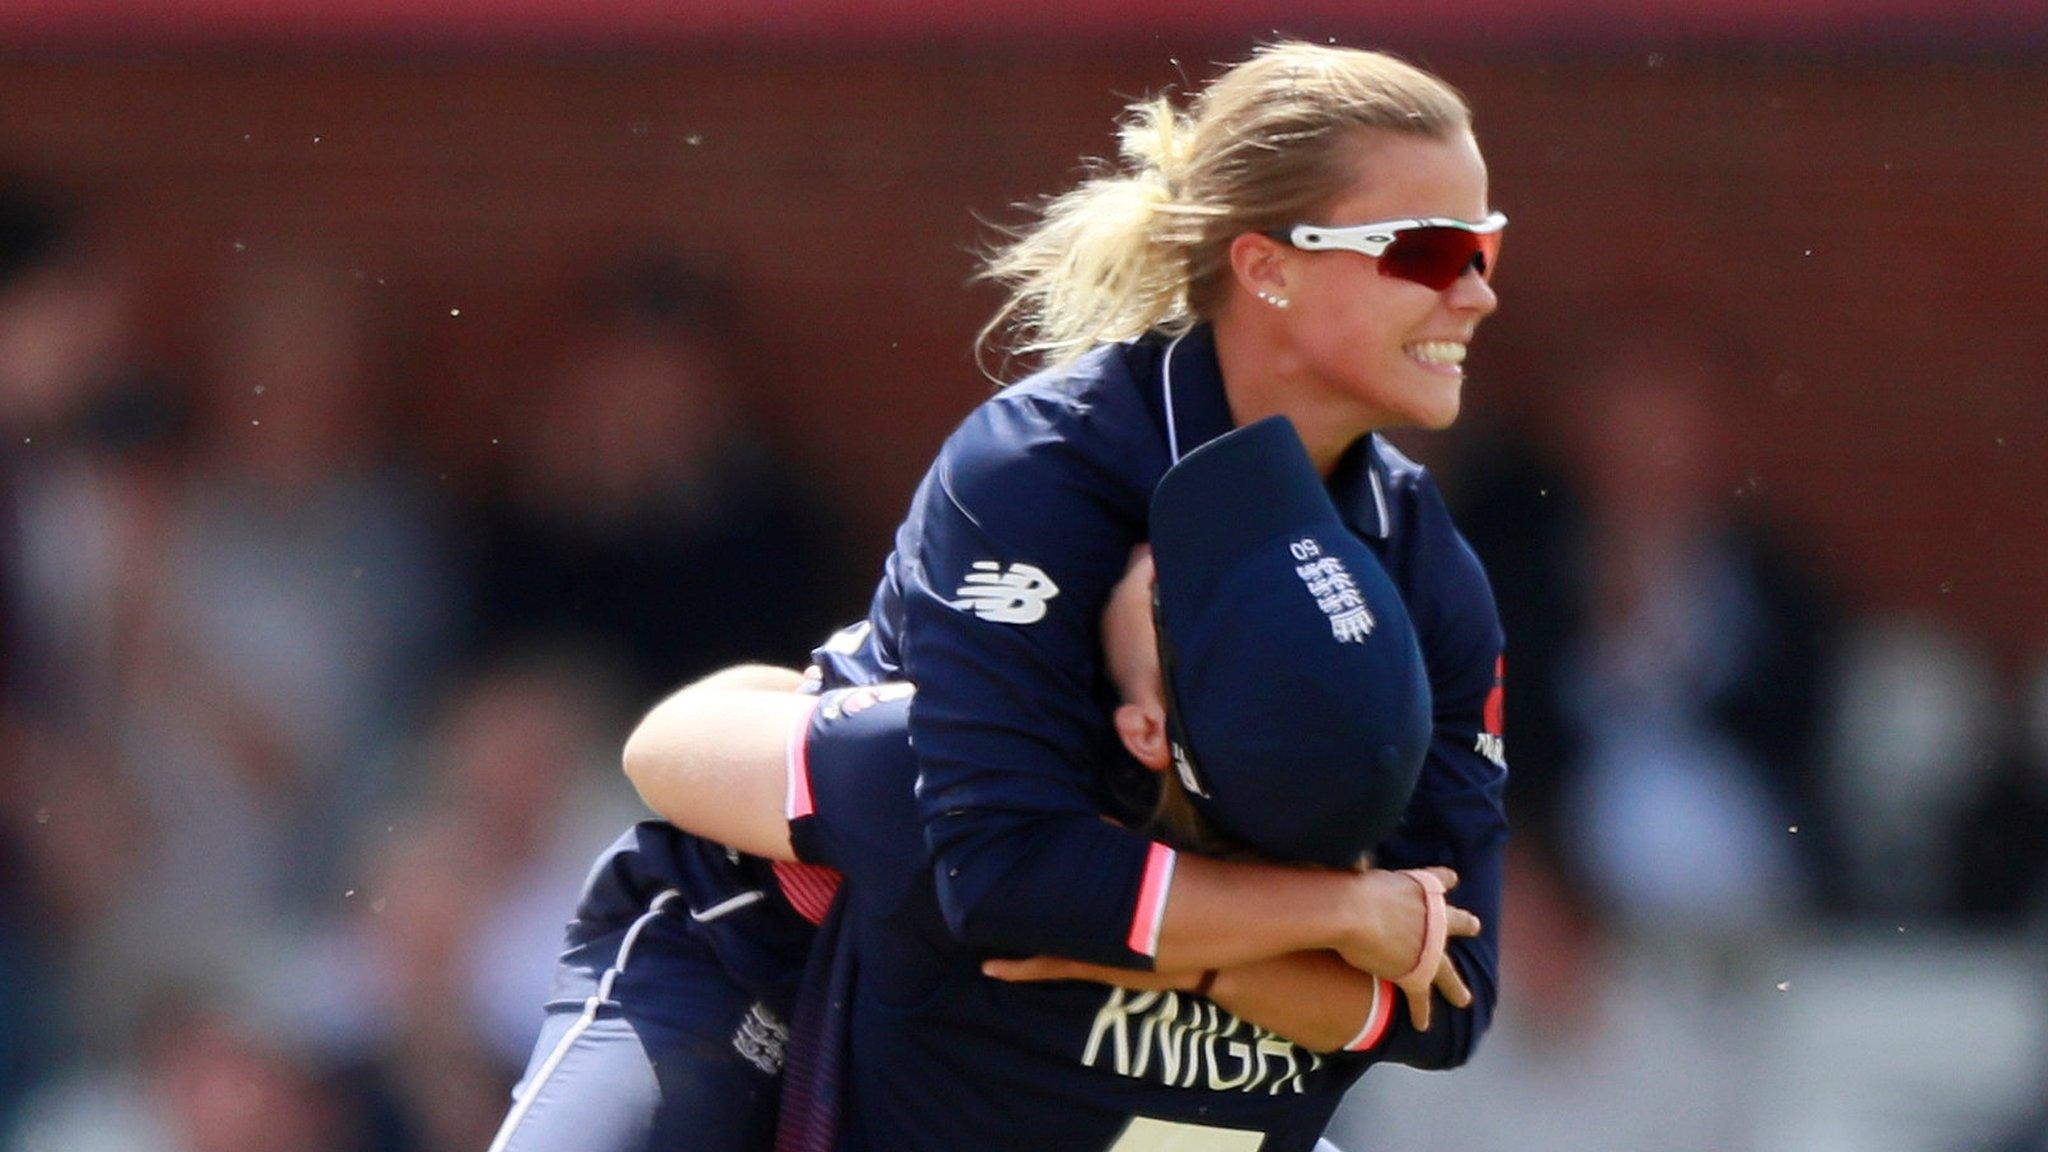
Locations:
1143 731
1259 265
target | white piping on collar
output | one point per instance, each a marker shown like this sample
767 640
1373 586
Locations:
1379 493
1379 497
1166 385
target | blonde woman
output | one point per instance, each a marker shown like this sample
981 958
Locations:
1312 240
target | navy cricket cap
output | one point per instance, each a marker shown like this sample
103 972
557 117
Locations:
1297 700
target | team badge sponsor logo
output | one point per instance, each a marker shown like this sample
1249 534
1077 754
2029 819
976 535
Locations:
1014 595
1493 748
1184 1041
1490 743
1335 592
762 1040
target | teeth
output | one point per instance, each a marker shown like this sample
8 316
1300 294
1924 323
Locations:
1447 352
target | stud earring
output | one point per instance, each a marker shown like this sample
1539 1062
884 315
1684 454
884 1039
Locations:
1275 301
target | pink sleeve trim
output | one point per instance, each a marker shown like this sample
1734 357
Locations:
1377 1018
1152 892
796 802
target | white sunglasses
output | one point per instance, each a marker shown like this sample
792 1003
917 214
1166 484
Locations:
1433 251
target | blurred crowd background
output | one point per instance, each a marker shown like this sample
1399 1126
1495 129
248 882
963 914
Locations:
387 417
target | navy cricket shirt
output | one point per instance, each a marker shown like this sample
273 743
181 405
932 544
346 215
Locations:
991 602
949 1060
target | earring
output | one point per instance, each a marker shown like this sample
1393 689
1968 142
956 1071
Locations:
1275 301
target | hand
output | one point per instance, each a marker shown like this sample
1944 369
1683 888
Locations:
1036 969
1396 941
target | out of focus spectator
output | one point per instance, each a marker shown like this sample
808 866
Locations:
301 610
431 977
1667 659
646 513
2000 868
87 425
1693 686
204 1076
82 480
1915 738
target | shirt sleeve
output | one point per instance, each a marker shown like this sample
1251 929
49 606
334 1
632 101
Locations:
1014 542
850 777
1457 816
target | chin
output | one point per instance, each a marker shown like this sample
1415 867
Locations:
1439 417
1435 411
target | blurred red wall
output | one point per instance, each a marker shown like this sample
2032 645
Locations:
1869 227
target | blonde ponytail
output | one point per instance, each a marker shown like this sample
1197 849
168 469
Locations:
1145 246
1108 260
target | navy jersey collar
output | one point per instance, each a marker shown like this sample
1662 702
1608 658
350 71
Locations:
1195 410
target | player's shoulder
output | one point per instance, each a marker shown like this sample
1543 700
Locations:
1082 421
1093 401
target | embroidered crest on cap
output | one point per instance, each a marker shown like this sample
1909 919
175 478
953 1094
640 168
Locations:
1335 592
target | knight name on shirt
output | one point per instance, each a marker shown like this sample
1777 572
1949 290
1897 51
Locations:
1185 1042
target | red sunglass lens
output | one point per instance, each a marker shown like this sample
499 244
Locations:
1436 257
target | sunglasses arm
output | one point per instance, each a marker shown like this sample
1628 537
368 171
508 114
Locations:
1374 239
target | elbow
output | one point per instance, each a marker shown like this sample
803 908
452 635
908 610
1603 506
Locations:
653 759
968 918
1459 1052
636 760
986 909
1459 1031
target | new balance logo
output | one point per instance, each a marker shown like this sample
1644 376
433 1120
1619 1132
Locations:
1016 595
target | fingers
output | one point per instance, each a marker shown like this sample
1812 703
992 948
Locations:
1459 922
1452 985
1447 981
1040 969
1418 1006
1031 969
1448 876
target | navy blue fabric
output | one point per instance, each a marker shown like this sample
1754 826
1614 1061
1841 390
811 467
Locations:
1056 473
634 1080
1300 704
820 1043
686 1050
945 1058
761 946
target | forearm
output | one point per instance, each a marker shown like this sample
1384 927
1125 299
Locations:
1228 912
1312 998
1223 913
750 677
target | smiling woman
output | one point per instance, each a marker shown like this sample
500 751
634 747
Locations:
1174 298
1320 207
1373 339
1176 324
